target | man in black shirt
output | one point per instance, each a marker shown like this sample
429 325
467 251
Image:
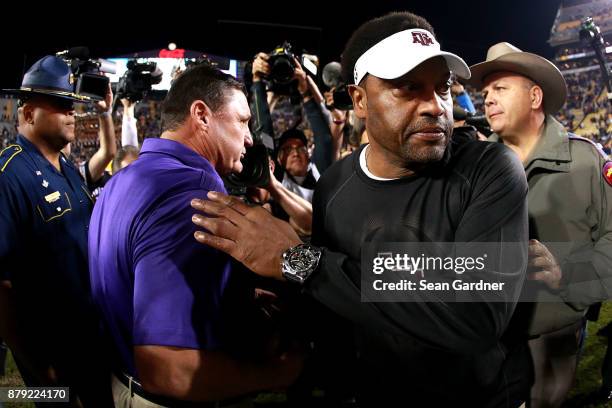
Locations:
411 184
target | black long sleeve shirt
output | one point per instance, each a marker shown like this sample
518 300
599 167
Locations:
432 353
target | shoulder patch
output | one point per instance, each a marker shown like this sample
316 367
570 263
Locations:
7 154
607 172
597 146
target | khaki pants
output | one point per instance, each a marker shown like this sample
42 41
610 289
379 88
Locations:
123 398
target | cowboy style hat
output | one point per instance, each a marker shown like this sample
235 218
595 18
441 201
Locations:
49 76
506 57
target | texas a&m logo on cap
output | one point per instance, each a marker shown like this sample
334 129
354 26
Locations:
422 38
607 172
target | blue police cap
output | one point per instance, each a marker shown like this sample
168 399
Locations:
50 76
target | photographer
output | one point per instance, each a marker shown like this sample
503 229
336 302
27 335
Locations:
342 122
322 155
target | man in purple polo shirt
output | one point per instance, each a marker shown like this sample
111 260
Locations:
161 293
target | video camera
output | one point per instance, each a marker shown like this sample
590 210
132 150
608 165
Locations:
137 80
88 72
591 33
212 61
255 167
203 59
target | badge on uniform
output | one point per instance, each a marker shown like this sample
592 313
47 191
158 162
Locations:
607 172
45 183
50 198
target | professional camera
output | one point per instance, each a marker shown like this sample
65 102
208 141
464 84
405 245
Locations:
137 80
255 167
477 121
89 73
281 64
280 80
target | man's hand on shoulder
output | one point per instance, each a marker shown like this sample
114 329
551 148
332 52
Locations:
250 235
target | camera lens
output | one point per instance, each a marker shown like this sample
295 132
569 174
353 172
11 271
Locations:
282 70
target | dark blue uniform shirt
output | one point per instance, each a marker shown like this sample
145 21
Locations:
44 217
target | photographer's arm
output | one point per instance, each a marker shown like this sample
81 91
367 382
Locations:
105 154
337 131
298 209
263 119
322 155
129 131
337 124
314 90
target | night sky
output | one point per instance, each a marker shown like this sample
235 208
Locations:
238 31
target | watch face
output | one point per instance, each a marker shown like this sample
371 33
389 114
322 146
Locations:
301 260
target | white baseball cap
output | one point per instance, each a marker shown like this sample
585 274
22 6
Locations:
402 52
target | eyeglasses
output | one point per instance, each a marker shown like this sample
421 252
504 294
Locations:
298 149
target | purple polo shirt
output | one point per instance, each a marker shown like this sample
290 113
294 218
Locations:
153 283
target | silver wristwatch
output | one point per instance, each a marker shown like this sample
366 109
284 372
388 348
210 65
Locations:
300 262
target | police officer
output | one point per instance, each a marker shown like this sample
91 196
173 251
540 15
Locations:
45 306
570 211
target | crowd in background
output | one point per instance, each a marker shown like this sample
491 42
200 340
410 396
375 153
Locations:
586 112
309 123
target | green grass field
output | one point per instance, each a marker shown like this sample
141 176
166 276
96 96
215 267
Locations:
588 378
13 379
